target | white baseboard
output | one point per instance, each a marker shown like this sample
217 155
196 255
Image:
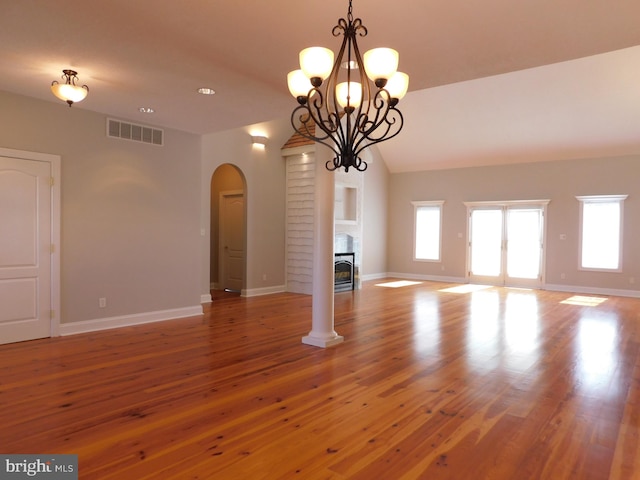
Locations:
256 292
206 298
551 287
431 278
614 292
373 276
128 320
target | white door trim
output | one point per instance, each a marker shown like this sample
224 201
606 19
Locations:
56 167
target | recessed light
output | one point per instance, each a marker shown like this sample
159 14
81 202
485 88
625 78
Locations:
146 110
206 91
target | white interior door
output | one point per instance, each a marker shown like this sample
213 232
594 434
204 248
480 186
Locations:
232 240
506 245
25 249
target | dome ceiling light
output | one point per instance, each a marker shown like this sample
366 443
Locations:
69 91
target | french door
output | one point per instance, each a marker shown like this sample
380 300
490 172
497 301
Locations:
506 243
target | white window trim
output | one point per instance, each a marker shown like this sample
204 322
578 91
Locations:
427 203
508 203
601 199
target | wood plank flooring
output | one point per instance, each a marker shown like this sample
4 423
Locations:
494 383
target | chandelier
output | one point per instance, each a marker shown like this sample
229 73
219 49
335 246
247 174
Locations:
69 91
356 106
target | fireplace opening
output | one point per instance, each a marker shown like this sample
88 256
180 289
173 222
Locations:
344 272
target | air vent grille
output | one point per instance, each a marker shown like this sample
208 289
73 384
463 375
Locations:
134 132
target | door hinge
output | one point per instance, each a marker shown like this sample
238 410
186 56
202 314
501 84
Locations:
52 314
51 181
52 248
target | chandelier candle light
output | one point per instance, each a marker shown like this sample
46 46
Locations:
348 113
69 91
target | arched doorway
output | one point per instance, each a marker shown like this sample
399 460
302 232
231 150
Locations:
228 229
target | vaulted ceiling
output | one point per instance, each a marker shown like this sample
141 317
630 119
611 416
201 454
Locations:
491 82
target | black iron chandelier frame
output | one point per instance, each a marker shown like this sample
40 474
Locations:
349 130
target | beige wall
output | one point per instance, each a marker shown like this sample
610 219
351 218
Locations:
264 173
375 216
130 211
558 181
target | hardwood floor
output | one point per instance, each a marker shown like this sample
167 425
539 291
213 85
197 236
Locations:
429 384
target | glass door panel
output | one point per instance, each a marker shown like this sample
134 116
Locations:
523 246
486 244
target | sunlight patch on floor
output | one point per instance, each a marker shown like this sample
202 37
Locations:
467 288
584 301
397 284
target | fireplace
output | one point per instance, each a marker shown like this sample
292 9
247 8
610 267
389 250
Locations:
344 275
345 269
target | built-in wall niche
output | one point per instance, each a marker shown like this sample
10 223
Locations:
346 204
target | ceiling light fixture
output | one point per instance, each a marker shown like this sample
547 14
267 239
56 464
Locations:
146 110
350 112
69 91
206 91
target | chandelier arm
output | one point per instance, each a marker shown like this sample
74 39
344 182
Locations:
315 109
396 122
304 125
386 116
329 124
377 130
315 117
381 106
308 119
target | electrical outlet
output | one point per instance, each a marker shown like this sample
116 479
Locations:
102 302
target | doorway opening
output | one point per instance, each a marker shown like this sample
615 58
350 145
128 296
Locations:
228 230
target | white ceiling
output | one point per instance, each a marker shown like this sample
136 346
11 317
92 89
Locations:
491 82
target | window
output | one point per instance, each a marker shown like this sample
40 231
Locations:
601 232
427 230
